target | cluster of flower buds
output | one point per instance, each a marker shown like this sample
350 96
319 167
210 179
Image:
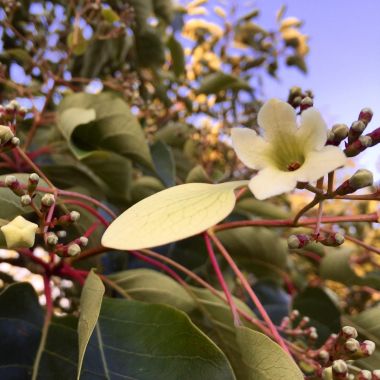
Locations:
298 98
330 239
343 347
26 192
361 178
356 141
296 326
9 115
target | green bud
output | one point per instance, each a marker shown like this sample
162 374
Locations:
362 178
52 238
73 250
5 134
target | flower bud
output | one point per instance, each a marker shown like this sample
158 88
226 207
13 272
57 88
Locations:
19 233
337 134
376 374
365 115
48 200
5 134
83 241
362 178
52 238
333 239
358 146
339 367
349 332
323 356
13 184
357 128
74 216
33 182
15 141
306 103
313 335
375 136
364 375
26 200
294 314
73 250
351 345
62 234
298 241
327 374
368 347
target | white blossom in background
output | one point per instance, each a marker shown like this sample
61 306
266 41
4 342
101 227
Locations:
287 154
19 233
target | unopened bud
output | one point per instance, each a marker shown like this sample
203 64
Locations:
61 234
13 184
74 216
365 115
327 374
10 180
48 200
33 182
296 101
340 132
15 141
333 239
349 332
73 250
368 347
364 375
339 367
298 241
294 314
375 136
26 200
306 103
376 374
358 146
313 335
323 356
83 241
52 238
362 178
357 128
352 345
5 134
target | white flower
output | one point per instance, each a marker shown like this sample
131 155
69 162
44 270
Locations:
19 233
288 154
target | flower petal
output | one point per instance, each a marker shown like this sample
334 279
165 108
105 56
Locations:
271 181
251 149
278 119
312 134
319 163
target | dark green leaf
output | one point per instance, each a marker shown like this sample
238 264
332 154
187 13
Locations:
163 162
219 81
178 56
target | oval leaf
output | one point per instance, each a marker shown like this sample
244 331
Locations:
90 302
265 358
172 214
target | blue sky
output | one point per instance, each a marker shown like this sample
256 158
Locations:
344 60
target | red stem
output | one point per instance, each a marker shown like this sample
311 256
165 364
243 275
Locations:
221 280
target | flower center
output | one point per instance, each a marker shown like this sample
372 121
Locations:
293 166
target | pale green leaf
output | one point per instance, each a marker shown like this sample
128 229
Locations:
172 214
90 302
266 359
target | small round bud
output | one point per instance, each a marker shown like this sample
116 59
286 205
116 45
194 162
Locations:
368 347
74 216
339 366
340 131
349 332
10 180
296 101
15 141
313 335
5 134
26 200
365 141
52 238
298 241
83 240
62 234
306 103
361 178
333 239
323 356
376 374
73 250
34 178
352 345
48 200
364 375
294 314
365 115
327 374
358 126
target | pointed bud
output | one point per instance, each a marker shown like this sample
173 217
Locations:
48 200
298 241
52 238
26 200
73 250
365 115
362 178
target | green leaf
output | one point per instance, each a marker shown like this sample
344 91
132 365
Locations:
198 174
18 54
174 134
102 122
110 15
219 81
144 187
263 209
172 214
259 250
336 266
90 304
164 162
310 302
297 61
265 359
154 287
76 42
145 341
178 56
